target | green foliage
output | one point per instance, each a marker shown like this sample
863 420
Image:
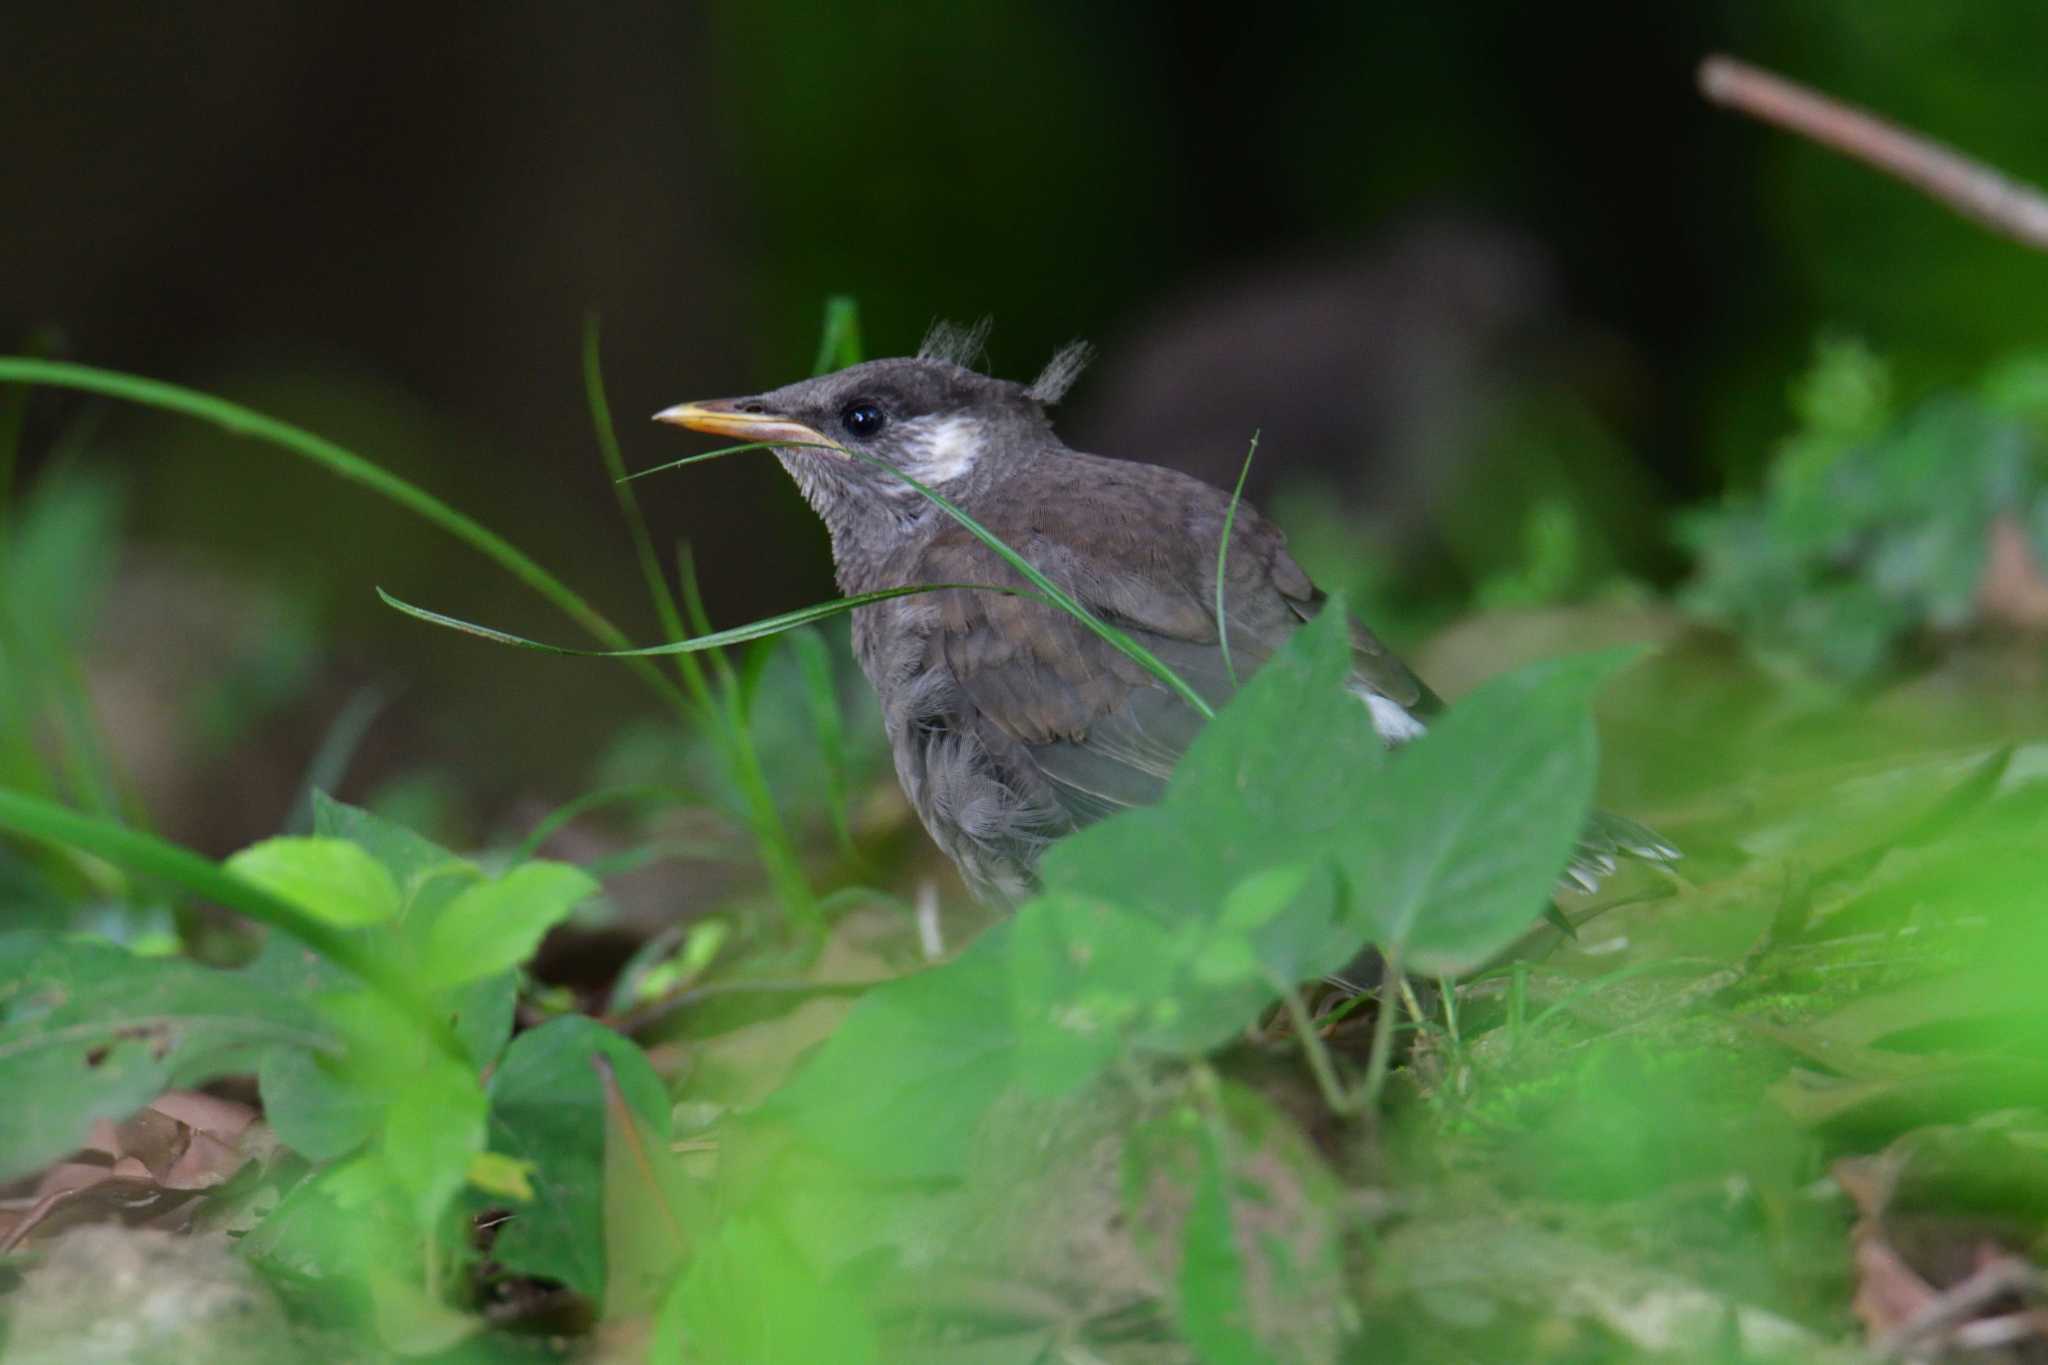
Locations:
547 1108
1553 548
1475 824
752 1295
89 1030
1212 1281
1091 1130
1876 521
57 549
393 1112
950 1057
330 879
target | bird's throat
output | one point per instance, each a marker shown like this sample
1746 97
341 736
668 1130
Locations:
865 528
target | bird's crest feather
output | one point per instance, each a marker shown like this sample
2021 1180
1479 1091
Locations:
954 343
1060 372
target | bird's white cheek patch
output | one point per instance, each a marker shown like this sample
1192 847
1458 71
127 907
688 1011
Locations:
948 448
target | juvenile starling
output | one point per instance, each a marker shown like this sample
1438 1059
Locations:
1011 722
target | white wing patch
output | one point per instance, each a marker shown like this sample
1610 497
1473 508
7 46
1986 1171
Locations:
1393 720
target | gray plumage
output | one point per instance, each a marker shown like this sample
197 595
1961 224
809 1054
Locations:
1011 723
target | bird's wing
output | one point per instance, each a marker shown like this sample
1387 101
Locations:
1102 732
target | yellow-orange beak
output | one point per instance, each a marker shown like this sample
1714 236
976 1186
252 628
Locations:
728 417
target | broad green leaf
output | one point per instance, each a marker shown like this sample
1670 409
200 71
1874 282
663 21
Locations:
1467 834
57 824
504 1176
1279 783
1295 920
88 1030
1295 738
646 1229
548 1110
323 1109
345 1234
411 860
1084 974
313 1107
421 1103
431 878
497 925
330 879
433 1130
752 1296
900 1087
481 1013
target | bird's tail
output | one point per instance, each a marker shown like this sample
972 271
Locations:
1607 839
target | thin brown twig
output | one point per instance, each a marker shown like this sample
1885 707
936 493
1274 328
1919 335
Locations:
1970 187
1951 1311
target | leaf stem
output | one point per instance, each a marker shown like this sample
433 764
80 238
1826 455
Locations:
727 727
1382 1033
1320 1062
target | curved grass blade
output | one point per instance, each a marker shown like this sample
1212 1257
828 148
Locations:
233 417
702 456
699 620
337 750
1057 595
715 711
665 608
1053 593
561 815
738 635
153 857
1223 557
814 662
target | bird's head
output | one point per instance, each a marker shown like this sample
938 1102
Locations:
930 416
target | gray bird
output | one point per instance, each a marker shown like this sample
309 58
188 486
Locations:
1011 722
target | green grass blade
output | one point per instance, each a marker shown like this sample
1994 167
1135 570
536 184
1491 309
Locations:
13 419
330 761
242 421
629 508
719 453
561 815
13 415
839 343
738 635
1223 558
700 620
149 856
95 784
814 661
1053 593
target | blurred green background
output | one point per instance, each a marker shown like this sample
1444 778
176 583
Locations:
1426 250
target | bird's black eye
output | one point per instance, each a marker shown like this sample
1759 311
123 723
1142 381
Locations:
862 419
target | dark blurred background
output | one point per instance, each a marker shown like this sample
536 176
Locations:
1423 249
